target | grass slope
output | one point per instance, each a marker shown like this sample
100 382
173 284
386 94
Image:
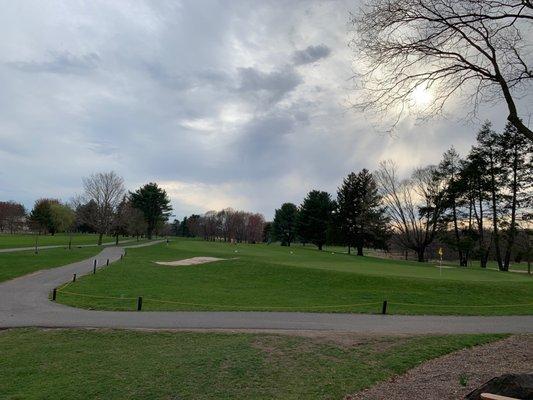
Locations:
21 263
83 364
275 278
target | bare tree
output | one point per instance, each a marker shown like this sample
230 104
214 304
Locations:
106 189
414 205
11 216
477 47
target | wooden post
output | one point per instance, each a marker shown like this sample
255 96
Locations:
384 308
139 303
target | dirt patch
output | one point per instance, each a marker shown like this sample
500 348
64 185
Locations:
190 261
455 375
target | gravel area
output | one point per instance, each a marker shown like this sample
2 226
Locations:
455 375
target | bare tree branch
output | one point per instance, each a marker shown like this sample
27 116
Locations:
446 46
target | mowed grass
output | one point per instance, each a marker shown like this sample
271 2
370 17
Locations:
91 364
20 263
275 278
8 241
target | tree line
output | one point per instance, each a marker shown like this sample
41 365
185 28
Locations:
104 208
479 206
226 225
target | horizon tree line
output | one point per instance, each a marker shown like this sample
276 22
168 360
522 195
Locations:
479 206
104 208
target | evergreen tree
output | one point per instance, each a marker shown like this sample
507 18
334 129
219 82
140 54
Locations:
361 216
457 207
487 150
284 224
154 203
41 215
184 229
314 217
516 159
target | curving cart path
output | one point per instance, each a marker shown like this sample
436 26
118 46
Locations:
24 302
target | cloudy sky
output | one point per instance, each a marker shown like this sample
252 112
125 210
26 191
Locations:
231 103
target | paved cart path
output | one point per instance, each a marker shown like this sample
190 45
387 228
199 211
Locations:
24 302
57 246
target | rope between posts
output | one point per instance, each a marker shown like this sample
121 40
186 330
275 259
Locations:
211 305
61 290
461 305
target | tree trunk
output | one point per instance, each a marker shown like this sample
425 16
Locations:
319 246
349 249
420 255
456 231
116 239
512 227
495 215
100 235
359 250
484 258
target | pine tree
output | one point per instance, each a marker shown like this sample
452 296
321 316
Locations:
314 217
284 224
154 203
361 215
516 159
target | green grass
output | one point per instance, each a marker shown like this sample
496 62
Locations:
85 364
8 241
275 278
21 263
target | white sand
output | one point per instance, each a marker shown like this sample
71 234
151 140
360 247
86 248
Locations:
190 261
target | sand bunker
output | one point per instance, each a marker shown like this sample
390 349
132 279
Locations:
190 261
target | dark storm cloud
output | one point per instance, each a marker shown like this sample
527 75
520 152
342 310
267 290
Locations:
60 63
311 54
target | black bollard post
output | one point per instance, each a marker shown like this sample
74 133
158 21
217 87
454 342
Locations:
54 294
384 308
94 270
139 303
121 256
74 278
107 263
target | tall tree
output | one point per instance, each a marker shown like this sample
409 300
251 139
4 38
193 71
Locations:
516 155
85 215
284 224
474 185
120 219
136 224
106 190
11 216
414 205
449 170
487 149
154 202
361 215
41 215
62 216
314 217
267 232
480 48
